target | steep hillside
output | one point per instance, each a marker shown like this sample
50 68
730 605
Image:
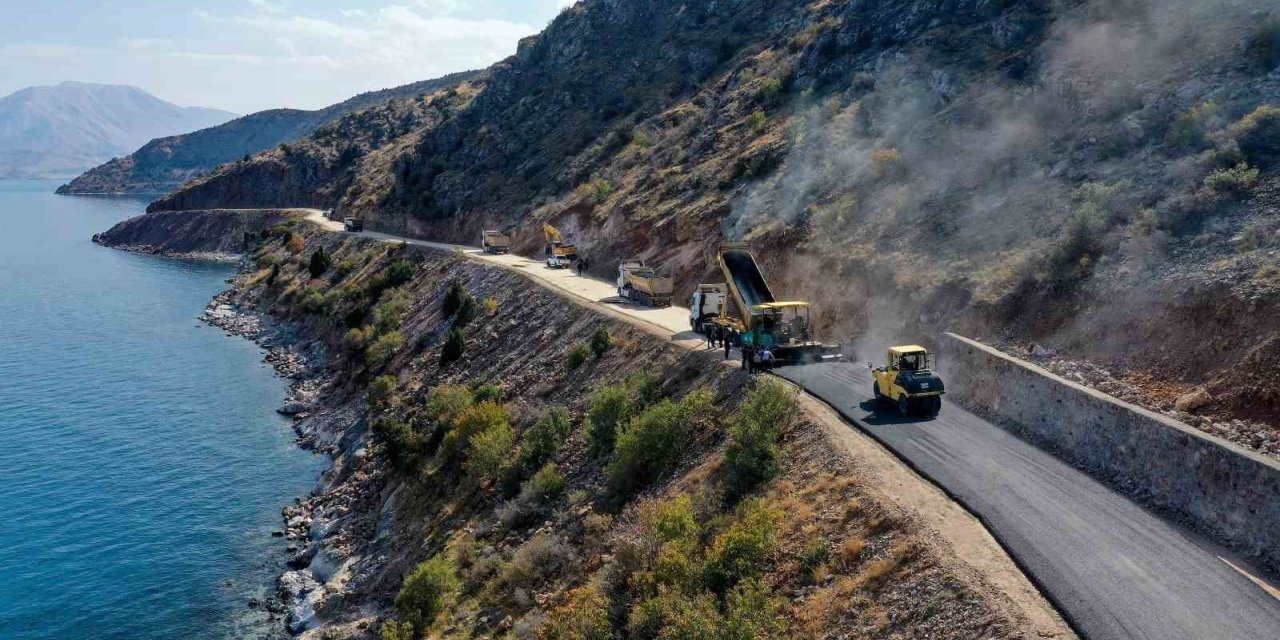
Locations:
61 130
1098 176
558 474
164 164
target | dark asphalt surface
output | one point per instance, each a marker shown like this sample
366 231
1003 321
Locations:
1115 570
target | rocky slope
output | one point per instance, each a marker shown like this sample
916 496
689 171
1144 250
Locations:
62 130
487 475
1097 176
162 165
218 234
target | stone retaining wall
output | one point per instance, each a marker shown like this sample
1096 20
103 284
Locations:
1229 493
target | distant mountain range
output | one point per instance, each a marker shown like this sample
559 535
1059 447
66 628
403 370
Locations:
49 132
165 164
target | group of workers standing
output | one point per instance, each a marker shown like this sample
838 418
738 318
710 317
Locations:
755 358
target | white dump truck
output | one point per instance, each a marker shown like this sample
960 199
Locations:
708 302
641 284
494 241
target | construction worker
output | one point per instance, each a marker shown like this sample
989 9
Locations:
725 338
766 359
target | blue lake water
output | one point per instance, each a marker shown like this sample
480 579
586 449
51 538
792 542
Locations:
142 466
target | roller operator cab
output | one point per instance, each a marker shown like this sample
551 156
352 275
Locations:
908 381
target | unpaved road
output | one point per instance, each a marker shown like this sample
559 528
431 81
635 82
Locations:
1117 571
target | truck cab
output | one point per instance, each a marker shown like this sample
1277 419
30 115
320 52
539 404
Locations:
708 302
352 224
908 382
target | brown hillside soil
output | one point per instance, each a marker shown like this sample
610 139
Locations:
834 557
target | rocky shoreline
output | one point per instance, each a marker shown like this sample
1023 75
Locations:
315 569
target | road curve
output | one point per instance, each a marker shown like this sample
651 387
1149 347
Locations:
1116 570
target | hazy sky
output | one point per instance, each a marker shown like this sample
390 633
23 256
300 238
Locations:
249 55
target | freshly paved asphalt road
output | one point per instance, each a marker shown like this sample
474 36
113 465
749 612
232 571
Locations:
1114 569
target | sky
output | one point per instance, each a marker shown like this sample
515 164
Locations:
249 55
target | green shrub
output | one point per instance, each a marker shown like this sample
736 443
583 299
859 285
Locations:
357 339
383 349
578 355
391 309
813 556
583 616
641 138
752 454
674 615
540 442
651 444
547 484
600 342
454 346
1264 44
742 550
490 450
446 402
314 303
400 272
403 442
1189 128
610 408
752 613
1234 182
1258 135
392 630
320 262
427 591
488 393
645 388
757 121
382 391
601 190
474 420
346 268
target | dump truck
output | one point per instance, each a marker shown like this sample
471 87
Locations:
641 284
495 242
908 382
754 318
560 254
353 225
709 301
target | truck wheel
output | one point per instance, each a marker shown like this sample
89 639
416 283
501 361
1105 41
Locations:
904 405
935 405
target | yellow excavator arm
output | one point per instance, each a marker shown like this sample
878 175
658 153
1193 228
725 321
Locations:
553 234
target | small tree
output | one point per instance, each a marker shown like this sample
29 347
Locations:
577 355
600 342
541 441
320 262
383 349
490 452
752 455
610 407
454 345
427 591
400 272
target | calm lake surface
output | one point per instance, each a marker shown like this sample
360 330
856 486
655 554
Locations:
142 465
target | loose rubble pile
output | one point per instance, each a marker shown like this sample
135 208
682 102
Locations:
1191 405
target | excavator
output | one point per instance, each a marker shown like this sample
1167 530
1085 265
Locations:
756 319
560 254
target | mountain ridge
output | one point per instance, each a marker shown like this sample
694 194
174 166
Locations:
164 164
58 130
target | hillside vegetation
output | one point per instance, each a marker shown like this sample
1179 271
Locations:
510 464
1099 176
164 164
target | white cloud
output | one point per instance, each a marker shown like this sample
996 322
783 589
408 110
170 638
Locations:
269 53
